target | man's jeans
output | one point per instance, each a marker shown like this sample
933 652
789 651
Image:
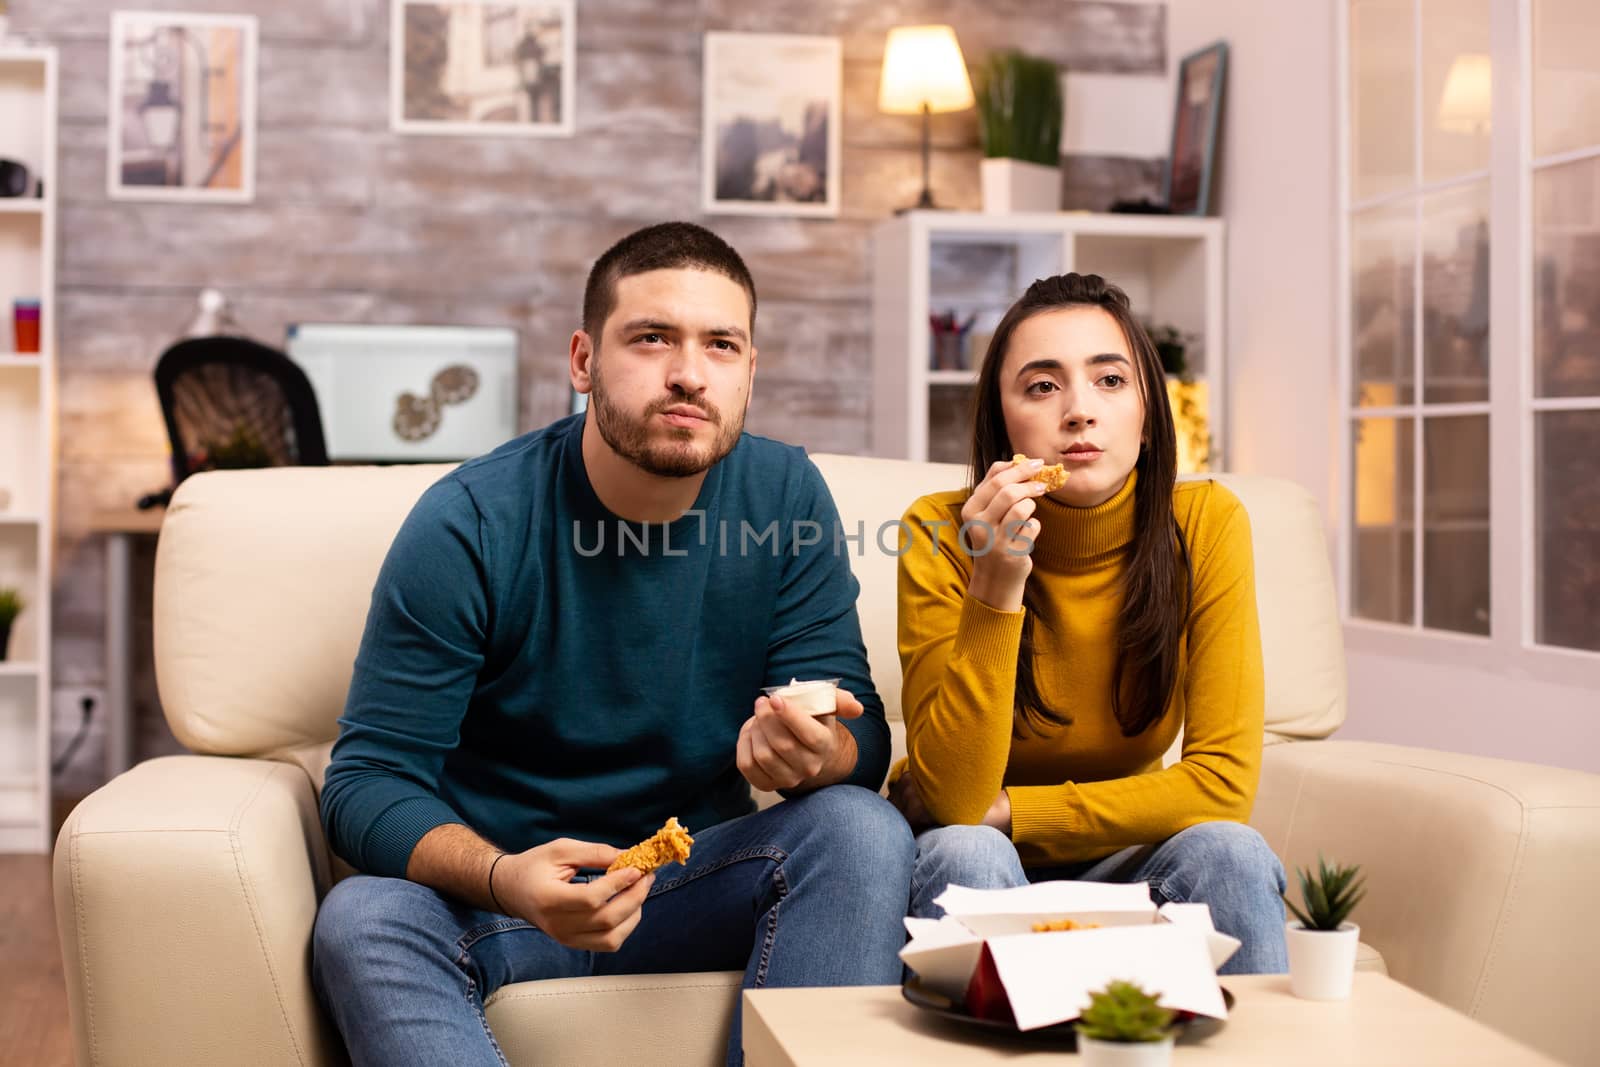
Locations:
1222 864
810 892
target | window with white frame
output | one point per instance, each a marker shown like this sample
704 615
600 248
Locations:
1564 402
1418 214
1418 218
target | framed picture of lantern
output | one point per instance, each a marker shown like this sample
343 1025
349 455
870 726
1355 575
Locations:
182 108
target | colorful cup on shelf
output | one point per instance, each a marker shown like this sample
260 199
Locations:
25 325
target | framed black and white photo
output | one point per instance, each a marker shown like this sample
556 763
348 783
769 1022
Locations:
182 108
1195 119
770 131
502 67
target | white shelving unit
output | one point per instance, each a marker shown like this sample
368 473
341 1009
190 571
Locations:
28 95
931 262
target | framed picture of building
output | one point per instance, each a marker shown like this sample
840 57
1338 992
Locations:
182 108
770 125
501 67
1196 116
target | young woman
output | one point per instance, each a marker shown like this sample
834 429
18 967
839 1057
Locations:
1054 643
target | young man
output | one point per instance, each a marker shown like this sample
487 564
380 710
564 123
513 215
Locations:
566 646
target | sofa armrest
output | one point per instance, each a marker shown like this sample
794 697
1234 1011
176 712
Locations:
1478 874
185 892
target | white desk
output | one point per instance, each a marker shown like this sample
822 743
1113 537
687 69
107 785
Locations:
120 528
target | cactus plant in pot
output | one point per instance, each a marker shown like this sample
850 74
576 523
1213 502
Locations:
1322 942
1124 1026
11 605
1019 124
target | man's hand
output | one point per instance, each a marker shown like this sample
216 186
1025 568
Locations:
598 916
783 748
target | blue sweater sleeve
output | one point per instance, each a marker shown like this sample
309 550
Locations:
414 677
816 632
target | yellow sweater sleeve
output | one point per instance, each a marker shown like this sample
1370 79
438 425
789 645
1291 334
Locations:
959 658
1224 697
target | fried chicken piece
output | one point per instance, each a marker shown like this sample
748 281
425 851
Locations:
1054 476
1062 924
670 844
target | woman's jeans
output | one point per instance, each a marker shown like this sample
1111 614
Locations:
1222 864
778 895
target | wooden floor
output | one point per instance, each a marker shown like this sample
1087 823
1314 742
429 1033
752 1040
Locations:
33 997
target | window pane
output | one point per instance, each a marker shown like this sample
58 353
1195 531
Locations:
1455 88
1382 559
1383 326
1566 75
1567 537
1566 279
1455 295
1382 90
1455 517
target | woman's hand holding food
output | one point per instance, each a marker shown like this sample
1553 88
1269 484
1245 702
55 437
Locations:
1000 529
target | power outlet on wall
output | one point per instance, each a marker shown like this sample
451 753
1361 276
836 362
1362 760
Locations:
67 708
70 726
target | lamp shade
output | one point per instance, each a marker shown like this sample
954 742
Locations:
1464 105
922 65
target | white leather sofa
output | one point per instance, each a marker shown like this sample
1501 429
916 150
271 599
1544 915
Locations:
186 888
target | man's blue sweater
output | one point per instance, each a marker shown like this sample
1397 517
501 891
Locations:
535 667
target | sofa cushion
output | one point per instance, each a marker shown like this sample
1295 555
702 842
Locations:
263 579
255 643
685 1017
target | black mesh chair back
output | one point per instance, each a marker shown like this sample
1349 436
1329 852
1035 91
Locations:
231 402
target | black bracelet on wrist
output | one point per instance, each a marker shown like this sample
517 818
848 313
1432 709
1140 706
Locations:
492 897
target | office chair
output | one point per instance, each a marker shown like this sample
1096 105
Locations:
231 402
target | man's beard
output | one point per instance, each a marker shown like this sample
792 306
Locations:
676 457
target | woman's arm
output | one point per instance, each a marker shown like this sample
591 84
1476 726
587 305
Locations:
960 661
1224 698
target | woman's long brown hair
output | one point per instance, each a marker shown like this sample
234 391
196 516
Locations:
1158 585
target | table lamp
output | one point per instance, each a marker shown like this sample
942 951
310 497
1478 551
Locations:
1465 103
923 72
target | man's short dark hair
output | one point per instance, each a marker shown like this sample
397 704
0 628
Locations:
665 246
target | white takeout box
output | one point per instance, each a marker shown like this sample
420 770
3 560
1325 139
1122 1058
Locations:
1173 950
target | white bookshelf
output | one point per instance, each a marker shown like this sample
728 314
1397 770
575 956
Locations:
1171 268
28 96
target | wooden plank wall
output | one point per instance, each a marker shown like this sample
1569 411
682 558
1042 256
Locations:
354 223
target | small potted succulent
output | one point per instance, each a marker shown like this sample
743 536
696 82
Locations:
1019 125
1125 1027
1322 942
11 605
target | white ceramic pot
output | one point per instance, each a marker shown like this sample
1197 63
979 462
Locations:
1095 1053
1322 963
1010 185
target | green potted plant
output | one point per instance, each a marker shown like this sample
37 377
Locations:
1171 346
1125 1027
11 605
1322 942
1019 125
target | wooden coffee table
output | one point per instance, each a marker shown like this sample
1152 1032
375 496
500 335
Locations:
1383 1023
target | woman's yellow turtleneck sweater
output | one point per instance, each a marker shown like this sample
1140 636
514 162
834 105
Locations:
1082 791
